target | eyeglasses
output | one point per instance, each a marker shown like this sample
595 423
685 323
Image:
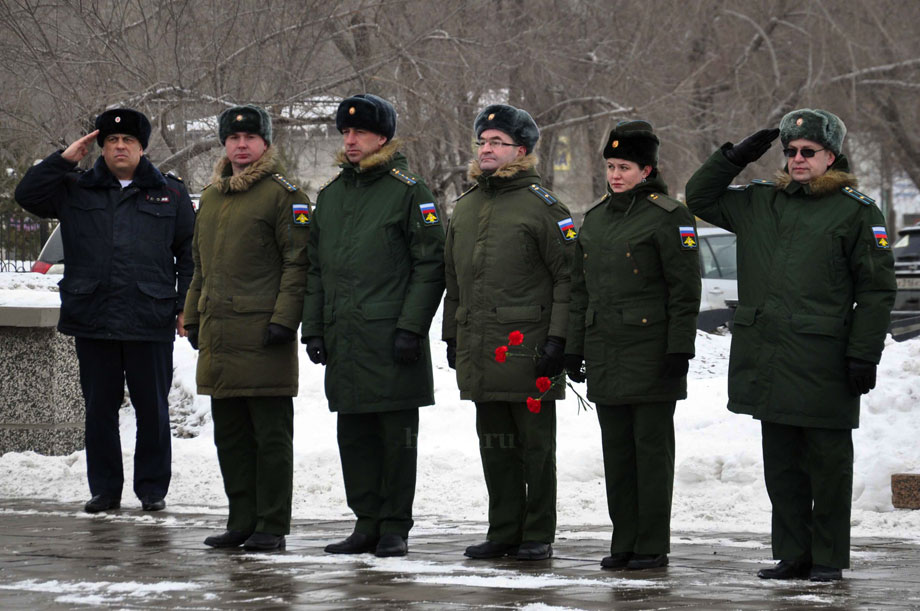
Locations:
494 143
806 153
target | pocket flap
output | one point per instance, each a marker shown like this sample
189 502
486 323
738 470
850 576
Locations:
462 314
158 290
817 325
641 317
78 286
253 303
157 209
381 310
328 314
202 303
529 313
744 316
590 315
90 204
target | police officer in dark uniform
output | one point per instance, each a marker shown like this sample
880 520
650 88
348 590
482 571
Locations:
635 299
127 234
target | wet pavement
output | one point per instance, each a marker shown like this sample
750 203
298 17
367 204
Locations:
53 556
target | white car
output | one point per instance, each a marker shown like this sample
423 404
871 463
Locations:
719 271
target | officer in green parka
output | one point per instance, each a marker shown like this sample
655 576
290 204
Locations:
507 260
816 286
242 313
635 299
376 277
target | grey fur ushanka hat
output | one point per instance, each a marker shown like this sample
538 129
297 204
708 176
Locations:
515 122
813 124
248 118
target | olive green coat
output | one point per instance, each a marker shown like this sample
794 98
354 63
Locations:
507 262
635 295
807 255
250 269
376 265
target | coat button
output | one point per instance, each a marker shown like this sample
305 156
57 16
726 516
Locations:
636 271
628 254
644 320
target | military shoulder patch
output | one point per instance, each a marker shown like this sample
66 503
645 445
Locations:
467 192
548 198
397 173
860 197
284 182
301 214
429 213
567 227
175 177
663 201
881 237
762 182
328 182
688 237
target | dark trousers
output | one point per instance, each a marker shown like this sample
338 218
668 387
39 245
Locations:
255 449
379 455
638 443
809 477
518 451
105 366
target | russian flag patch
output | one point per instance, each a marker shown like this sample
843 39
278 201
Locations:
429 213
567 227
881 236
688 237
301 214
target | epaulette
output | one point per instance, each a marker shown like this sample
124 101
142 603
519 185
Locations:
284 182
397 173
210 184
467 192
548 198
738 187
663 201
762 182
860 197
328 182
175 177
599 202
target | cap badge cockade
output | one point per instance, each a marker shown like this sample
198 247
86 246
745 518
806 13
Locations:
799 121
118 119
351 110
615 144
491 116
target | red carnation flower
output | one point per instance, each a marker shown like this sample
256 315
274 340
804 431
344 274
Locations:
501 354
515 338
544 384
533 405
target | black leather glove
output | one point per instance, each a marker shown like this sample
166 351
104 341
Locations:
675 365
573 367
276 334
860 376
751 148
451 352
406 347
552 362
316 349
192 337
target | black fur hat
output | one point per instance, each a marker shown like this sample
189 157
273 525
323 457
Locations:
123 121
633 141
515 122
367 111
248 118
813 124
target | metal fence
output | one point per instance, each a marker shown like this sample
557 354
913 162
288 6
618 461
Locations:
21 239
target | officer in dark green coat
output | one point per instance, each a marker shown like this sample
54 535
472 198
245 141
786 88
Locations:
507 262
816 286
241 313
635 298
376 278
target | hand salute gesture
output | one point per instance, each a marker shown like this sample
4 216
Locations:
80 148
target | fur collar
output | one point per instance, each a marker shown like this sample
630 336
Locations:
829 182
146 175
226 182
381 157
506 171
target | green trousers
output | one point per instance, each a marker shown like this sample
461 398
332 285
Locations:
638 443
379 454
809 477
518 450
254 439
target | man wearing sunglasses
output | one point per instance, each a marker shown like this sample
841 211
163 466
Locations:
507 265
816 286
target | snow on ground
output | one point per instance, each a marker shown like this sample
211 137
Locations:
719 472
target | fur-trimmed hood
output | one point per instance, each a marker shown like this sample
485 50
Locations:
226 182
829 182
381 157
508 170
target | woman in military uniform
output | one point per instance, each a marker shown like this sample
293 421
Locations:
632 322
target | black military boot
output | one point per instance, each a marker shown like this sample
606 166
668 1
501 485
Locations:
786 569
356 543
263 542
391 545
647 561
228 538
616 561
534 550
490 549
819 572
101 502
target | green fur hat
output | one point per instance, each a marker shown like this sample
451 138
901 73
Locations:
250 119
813 124
367 111
517 123
633 141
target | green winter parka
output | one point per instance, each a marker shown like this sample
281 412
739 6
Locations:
376 265
250 254
815 284
635 294
507 260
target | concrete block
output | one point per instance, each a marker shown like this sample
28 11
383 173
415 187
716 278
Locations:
905 490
